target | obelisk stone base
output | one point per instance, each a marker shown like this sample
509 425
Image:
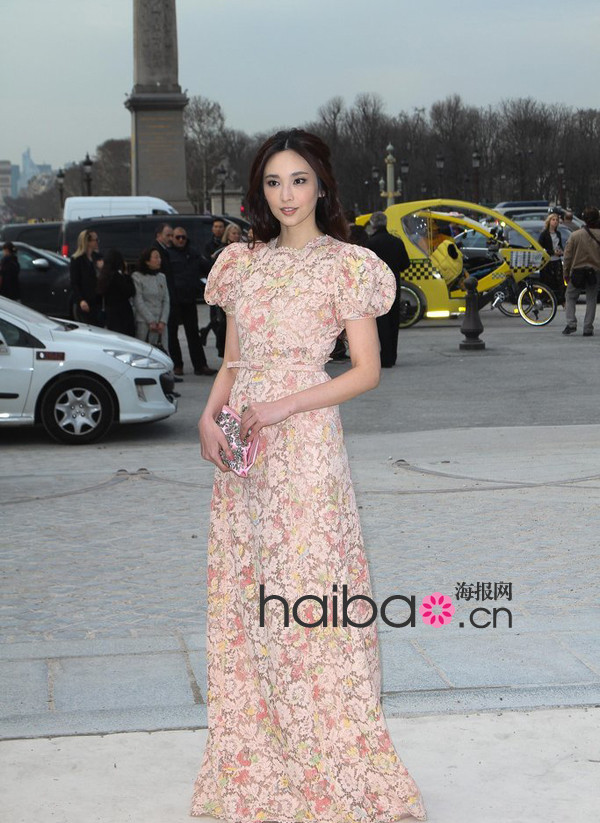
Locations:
157 150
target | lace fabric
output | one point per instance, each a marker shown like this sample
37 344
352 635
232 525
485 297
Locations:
296 728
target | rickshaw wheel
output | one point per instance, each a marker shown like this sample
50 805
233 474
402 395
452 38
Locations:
537 304
412 305
508 304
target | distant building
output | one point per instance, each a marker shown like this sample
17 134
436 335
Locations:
30 169
14 180
5 180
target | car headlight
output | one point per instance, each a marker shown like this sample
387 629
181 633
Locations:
139 361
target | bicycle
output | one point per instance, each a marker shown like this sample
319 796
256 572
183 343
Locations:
535 302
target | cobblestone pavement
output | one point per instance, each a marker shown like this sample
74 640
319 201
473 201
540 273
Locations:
463 473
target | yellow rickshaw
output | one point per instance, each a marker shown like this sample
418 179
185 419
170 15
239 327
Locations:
450 240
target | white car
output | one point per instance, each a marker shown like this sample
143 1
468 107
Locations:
77 380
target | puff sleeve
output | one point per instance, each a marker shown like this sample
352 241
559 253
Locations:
221 285
365 286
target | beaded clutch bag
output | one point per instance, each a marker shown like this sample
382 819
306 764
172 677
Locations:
244 454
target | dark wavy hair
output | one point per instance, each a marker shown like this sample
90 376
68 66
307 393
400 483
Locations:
329 214
113 263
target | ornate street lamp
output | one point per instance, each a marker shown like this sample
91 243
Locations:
374 186
439 164
60 179
87 174
390 169
222 177
561 177
404 169
476 162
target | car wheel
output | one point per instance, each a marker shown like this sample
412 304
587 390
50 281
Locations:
77 409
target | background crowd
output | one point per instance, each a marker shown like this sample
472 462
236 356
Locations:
162 292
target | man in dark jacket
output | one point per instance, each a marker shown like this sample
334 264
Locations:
163 240
583 252
391 250
217 315
185 265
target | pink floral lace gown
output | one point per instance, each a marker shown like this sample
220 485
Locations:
296 728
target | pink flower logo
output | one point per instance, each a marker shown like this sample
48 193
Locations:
443 606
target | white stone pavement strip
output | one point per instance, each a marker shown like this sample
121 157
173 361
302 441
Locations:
540 767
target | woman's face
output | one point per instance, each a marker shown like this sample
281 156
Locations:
92 241
291 188
154 261
235 235
554 222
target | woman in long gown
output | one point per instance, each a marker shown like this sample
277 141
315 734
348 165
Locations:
296 728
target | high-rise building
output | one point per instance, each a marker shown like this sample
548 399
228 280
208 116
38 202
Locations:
29 169
5 180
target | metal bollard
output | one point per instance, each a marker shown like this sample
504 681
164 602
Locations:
471 325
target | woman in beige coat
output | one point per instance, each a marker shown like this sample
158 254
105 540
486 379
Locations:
151 301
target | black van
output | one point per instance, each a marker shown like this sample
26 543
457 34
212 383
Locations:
131 235
41 235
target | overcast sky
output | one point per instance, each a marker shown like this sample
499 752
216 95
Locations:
67 65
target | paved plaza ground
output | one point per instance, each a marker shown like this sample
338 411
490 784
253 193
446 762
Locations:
468 468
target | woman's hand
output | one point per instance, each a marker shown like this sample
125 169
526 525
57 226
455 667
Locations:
160 327
258 415
212 440
83 305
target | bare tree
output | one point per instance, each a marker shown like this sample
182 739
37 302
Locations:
204 123
112 168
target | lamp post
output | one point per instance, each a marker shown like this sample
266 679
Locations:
374 180
439 164
222 176
60 179
87 174
390 168
404 169
561 177
423 190
476 162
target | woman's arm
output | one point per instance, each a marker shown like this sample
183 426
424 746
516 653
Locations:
212 438
363 342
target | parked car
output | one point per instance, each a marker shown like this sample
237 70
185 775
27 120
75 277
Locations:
534 228
77 380
40 235
44 280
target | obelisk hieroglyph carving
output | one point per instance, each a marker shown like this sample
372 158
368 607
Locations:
156 104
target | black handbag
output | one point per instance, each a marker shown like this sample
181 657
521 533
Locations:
583 276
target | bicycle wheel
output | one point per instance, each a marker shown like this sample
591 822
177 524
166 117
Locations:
537 304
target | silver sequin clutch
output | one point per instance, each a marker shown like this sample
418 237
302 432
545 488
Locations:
244 454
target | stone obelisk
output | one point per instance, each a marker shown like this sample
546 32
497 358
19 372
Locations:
156 104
